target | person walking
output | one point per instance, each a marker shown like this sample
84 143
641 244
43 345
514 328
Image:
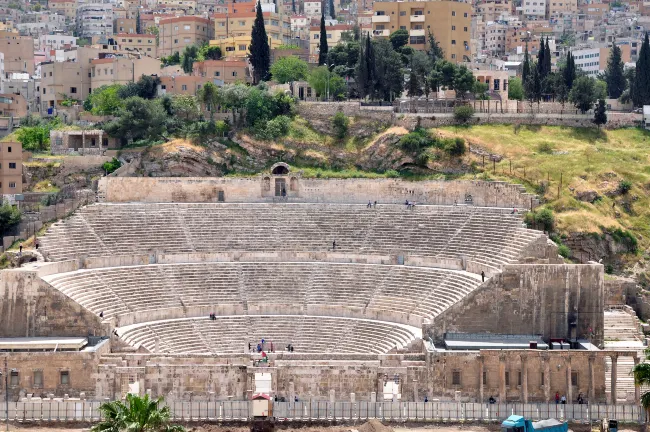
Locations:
334 245
482 276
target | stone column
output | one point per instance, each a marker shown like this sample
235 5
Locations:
547 379
524 377
415 391
614 358
592 384
502 379
637 389
481 368
569 386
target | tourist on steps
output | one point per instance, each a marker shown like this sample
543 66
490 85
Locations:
369 203
557 397
334 245
482 276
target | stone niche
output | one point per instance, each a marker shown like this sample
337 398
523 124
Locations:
280 183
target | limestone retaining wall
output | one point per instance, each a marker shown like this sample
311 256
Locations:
348 191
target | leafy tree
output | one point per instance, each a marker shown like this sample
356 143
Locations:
9 217
463 113
34 138
345 55
106 100
146 87
600 89
515 89
569 71
545 218
365 69
260 52
614 73
399 38
190 55
560 90
600 113
583 93
525 73
208 95
138 414
434 50
433 82
480 90
234 98
388 78
541 63
340 123
139 119
289 69
170 60
463 81
628 95
641 95
322 46
186 107
414 86
534 87
111 165
321 78
207 52
138 28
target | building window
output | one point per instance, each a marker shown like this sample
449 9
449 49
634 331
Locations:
234 73
217 73
542 377
455 378
507 378
186 27
519 378
12 165
73 90
9 149
65 377
316 36
453 13
464 28
484 378
402 13
453 28
465 15
38 379
416 40
574 378
14 379
242 23
184 87
402 27
453 42
242 47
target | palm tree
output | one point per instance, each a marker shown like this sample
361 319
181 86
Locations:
209 96
641 374
137 415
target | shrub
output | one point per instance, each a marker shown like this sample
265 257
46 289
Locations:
545 147
463 113
564 251
454 146
624 186
111 166
340 123
9 217
609 269
545 218
416 140
626 238
273 129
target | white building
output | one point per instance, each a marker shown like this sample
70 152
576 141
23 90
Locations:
55 42
589 60
646 116
313 9
533 10
94 19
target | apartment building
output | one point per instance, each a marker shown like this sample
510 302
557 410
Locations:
67 8
143 43
120 70
11 169
334 33
56 42
557 9
495 38
18 51
177 33
232 31
221 72
594 11
313 9
491 10
448 21
187 5
594 60
24 85
94 19
13 105
124 25
532 10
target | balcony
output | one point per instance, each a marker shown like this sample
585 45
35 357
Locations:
380 18
381 33
419 32
417 18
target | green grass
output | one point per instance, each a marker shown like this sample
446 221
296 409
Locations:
584 158
45 186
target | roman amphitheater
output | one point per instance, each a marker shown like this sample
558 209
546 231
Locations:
194 288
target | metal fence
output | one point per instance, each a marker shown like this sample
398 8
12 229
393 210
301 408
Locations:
321 410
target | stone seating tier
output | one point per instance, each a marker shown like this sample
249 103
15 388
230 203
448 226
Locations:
307 334
405 294
488 236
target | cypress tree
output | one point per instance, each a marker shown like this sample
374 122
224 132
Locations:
293 6
547 59
322 54
332 12
614 73
138 29
569 71
600 113
642 75
525 73
362 72
540 59
260 53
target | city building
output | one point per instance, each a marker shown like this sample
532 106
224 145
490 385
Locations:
491 10
448 21
11 169
313 9
56 41
334 33
124 25
143 43
222 72
94 19
67 8
594 60
532 10
13 105
18 52
557 9
120 70
177 33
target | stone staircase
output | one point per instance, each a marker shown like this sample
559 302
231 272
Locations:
622 331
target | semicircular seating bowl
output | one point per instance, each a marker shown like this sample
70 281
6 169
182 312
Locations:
307 334
489 236
410 295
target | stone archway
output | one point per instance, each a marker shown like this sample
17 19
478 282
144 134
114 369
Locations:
280 168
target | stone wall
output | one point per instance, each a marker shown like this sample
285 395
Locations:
31 307
532 299
82 367
350 191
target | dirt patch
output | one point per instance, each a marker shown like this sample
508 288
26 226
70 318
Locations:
374 426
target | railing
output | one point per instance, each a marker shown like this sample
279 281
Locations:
322 410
